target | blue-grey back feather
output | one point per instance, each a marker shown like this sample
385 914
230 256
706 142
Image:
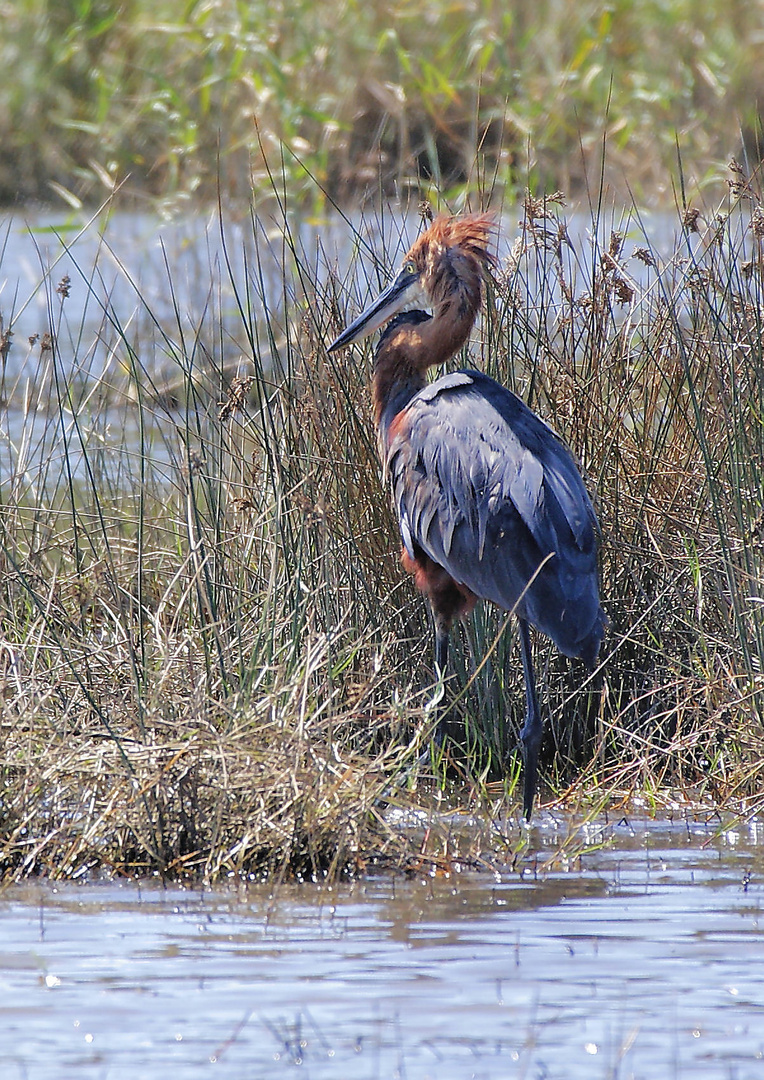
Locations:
485 488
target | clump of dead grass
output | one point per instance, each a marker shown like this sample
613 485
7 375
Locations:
210 662
234 794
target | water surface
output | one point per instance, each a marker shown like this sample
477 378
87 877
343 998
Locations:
645 958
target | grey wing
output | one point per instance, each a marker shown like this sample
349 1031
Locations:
486 489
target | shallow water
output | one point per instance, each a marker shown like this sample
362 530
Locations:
644 959
130 273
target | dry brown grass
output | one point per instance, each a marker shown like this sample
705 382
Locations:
210 662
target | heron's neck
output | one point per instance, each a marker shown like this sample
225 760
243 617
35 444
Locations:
393 388
413 343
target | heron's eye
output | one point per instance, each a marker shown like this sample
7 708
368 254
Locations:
409 268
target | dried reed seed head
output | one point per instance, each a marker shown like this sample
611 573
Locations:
5 343
516 252
700 279
720 223
426 212
505 278
545 239
757 222
244 505
690 219
624 292
533 207
536 207
739 190
644 255
195 463
616 243
237 396
64 286
739 183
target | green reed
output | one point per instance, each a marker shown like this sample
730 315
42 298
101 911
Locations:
180 102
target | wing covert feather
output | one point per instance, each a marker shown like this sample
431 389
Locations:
485 488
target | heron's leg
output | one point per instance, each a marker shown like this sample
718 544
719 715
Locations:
530 734
442 633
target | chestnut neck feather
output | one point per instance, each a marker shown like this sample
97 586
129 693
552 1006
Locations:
413 343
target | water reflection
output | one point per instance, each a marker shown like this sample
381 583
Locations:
644 960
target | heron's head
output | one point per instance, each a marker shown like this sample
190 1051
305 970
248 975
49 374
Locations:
444 265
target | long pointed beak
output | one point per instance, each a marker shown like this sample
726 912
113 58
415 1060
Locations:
400 293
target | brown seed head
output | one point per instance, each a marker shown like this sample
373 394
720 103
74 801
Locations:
757 222
690 218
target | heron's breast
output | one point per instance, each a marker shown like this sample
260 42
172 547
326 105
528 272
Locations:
397 427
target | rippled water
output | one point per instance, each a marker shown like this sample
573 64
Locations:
645 959
130 273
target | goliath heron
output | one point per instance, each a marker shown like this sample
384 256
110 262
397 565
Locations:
489 500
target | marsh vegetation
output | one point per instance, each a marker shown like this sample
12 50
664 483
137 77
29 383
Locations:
178 102
211 663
